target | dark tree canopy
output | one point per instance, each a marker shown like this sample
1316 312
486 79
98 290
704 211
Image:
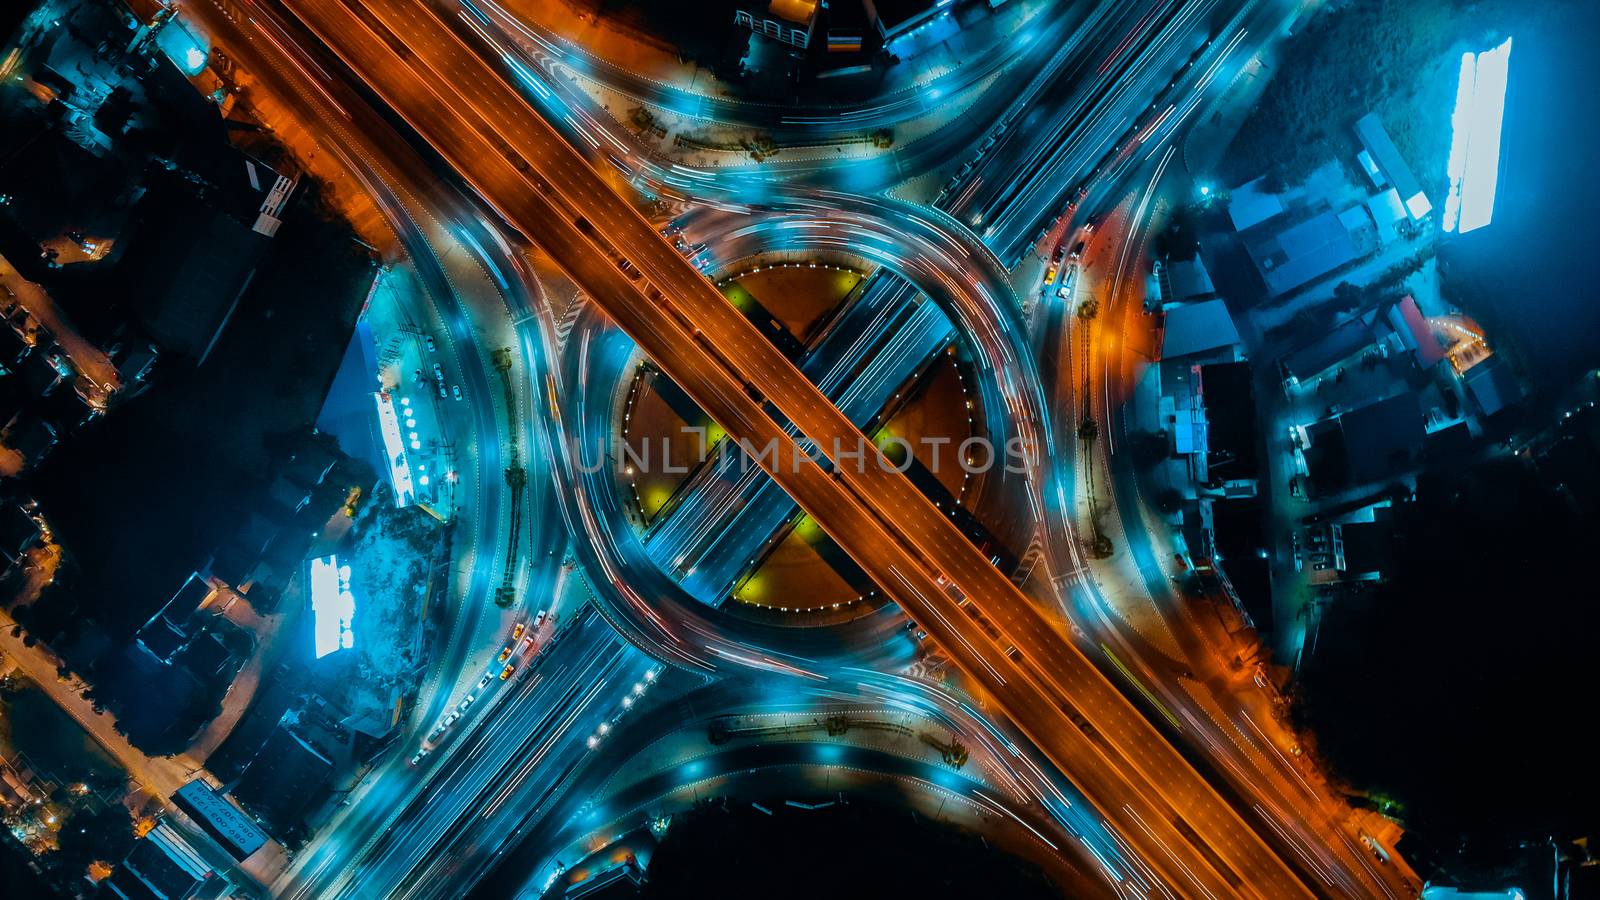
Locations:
1355 58
1463 691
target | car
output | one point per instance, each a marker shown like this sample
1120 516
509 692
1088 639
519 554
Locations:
527 643
1077 249
438 372
539 619
483 682
506 672
427 340
58 360
466 702
451 719
518 630
506 653
1320 566
418 758
455 391
443 394
951 590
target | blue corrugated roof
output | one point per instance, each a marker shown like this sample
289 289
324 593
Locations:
1197 328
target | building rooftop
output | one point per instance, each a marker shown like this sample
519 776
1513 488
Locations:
1492 385
1383 438
1251 204
1189 279
1230 403
1305 251
286 776
1197 328
1336 346
1368 546
163 866
1387 212
286 498
12 348
894 16
222 820
18 530
30 436
1408 322
162 638
310 464
1376 139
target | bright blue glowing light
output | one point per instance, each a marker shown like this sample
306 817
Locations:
1474 164
333 607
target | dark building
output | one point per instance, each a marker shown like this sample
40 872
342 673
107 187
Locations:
30 436
285 778
190 284
235 559
1383 439
1230 403
163 866
19 533
12 350
169 630
225 823
1374 443
893 18
1369 546
310 464
1335 347
1492 386
791 22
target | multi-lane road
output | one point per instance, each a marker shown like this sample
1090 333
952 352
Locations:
459 89
466 110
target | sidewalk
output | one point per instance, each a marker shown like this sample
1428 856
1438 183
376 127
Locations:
160 776
268 630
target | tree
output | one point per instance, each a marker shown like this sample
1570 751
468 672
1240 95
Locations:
1350 59
642 119
88 836
1348 296
1149 448
1180 240
1169 501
